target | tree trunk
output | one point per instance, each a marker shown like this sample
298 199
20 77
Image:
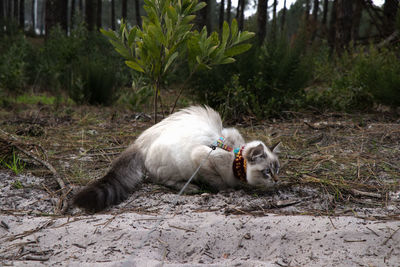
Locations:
33 16
112 14
99 11
72 18
138 17
332 26
90 11
357 19
22 14
325 13
81 6
1 11
261 20
283 18
51 16
274 26
228 11
344 24
15 10
9 9
241 17
204 17
221 15
124 10
390 9
307 12
314 19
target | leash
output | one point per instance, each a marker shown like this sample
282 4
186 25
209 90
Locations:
162 218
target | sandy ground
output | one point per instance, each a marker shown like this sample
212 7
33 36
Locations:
232 228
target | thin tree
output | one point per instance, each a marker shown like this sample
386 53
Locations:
204 18
1 11
283 18
390 10
274 24
332 26
112 14
240 13
33 16
90 11
221 14
314 19
137 11
261 20
344 24
228 11
356 20
124 10
325 13
9 9
307 12
16 10
99 11
22 14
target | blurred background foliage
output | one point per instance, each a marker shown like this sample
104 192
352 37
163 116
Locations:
307 56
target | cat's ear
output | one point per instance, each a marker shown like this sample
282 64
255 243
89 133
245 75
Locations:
255 152
276 148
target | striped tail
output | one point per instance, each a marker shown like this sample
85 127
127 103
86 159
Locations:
126 173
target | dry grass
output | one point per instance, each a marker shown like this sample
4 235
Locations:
350 157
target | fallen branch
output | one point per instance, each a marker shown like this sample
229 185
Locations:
365 194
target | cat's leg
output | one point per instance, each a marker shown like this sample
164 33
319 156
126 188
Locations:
216 169
232 137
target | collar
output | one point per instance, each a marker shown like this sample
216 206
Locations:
239 165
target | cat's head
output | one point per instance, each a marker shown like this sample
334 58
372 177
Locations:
262 163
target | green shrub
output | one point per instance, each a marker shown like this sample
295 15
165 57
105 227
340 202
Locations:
93 83
378 74
14 53
83 64
269 80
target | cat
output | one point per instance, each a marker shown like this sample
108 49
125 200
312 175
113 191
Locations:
170 151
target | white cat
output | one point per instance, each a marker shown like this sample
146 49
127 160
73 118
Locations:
170 151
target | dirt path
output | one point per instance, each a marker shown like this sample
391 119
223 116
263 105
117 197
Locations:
202 230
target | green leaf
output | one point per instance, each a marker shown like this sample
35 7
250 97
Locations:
236 50
170 60
225 34
227 60
132 36
234 29
134 65
245 36
198 7
110 34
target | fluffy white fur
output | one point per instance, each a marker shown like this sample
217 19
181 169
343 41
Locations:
169 153
175 147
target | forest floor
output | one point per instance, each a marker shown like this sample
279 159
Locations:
337 202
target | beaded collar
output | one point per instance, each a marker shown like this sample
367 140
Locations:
239 165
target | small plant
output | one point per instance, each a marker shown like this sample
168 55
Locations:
167 40
17 184
16 165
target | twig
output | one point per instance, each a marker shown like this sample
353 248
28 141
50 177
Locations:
29 232
372 231
181 228
353 241
366 194
62 201
390 237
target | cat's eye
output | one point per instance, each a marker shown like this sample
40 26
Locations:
267 172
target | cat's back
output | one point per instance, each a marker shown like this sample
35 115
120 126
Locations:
195 124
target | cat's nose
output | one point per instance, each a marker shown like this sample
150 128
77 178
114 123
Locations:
275 177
